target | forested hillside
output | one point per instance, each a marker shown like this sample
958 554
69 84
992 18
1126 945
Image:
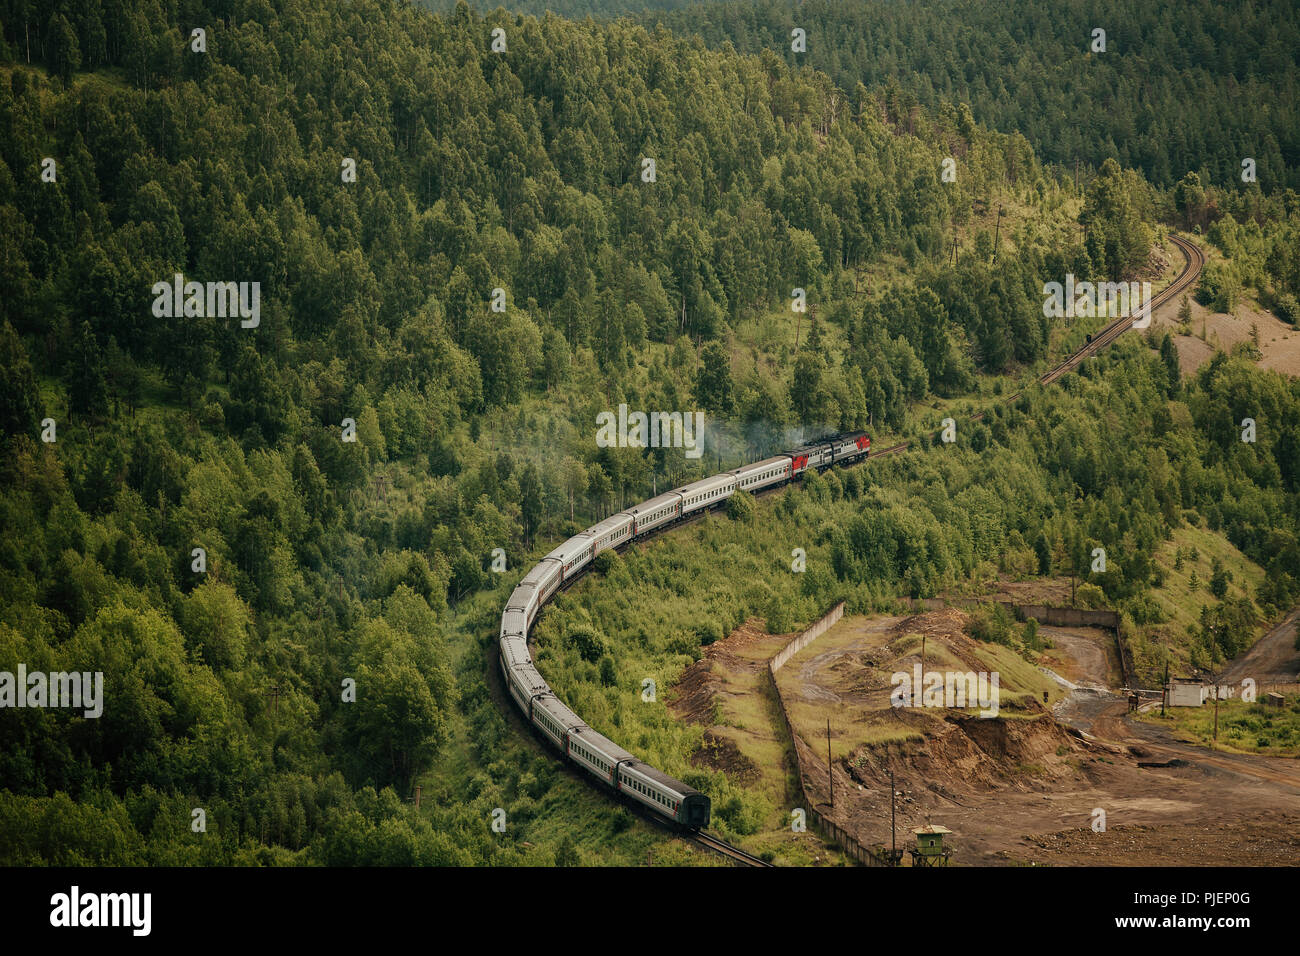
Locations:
573 9
1181 86
475 170
381 172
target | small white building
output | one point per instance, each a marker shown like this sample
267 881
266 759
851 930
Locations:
1185 692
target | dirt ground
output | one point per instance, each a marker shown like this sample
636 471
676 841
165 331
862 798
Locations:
1274 658
1053 591
1023 787
1085 656
1279 343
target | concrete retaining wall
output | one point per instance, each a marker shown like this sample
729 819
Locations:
829 828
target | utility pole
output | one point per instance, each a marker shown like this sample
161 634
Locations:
893 823
1216 716
997 233
1164 691
418 790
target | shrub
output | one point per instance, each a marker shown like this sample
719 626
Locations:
606 561
777 615
993 624
590 645
740 507
708 631
1090 596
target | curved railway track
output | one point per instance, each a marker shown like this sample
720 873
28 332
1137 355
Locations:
1195 262
1184 281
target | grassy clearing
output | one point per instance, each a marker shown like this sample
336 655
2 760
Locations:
1187 565
1243 728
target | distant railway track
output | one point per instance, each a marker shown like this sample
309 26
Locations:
1195 262
1185 280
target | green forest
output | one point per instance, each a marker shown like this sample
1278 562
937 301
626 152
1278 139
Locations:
1041 73
462 257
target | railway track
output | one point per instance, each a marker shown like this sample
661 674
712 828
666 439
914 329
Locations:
1195 262
1185 280
723 848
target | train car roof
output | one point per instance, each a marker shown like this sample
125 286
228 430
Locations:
765 463
559 712
706 484
667 498
515 651
665 781
605 746
520 597
531 676
547 565
571 547
610 523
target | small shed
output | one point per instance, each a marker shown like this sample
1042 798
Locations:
930 850
1274 699
1186 692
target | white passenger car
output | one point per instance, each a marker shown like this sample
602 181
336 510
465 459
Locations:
706 493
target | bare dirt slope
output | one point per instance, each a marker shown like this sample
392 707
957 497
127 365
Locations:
1023 787
1279 343
1274 658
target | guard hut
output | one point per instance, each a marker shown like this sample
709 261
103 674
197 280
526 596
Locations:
930 850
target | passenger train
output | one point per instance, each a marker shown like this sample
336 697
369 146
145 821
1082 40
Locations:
596 754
